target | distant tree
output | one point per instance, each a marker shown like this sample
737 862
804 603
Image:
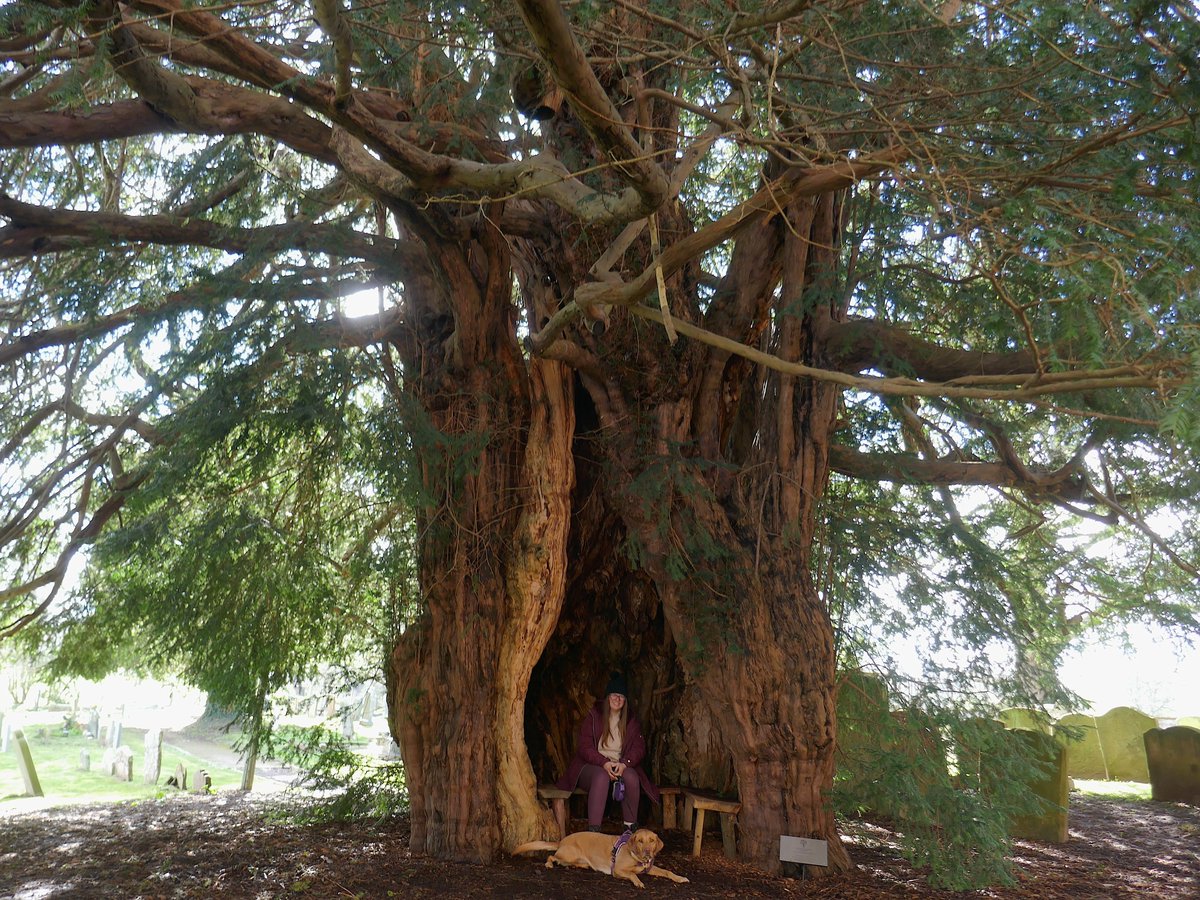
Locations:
701 327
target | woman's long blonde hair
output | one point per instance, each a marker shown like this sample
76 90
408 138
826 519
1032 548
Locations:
622 720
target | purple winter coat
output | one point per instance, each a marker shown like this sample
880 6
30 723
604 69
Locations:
587 750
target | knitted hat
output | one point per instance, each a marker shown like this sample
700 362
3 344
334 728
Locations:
617 685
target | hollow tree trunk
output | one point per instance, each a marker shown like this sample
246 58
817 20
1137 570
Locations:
733 569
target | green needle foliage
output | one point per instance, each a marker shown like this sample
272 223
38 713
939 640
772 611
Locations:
934 270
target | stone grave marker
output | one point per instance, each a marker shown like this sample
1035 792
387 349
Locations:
114 734
1189 722
6 731
1121 731
1053 787
1085 758
122 768
368 709
93 724
348 726
1173 758
179 779
1026 718
85 761
203 782
33 787
152 763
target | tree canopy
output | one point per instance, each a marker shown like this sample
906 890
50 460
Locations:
770 329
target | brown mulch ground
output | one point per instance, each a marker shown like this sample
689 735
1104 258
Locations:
230 845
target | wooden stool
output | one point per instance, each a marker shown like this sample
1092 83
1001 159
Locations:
558 802
728 810
670 809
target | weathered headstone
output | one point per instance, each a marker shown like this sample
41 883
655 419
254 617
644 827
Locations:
1173 758
203 782
93 724
1085 758
85 761
179 779
1052 787
1189 721
152 763
368 709
122 766
33 787
1024 717
114 734
1121 731
348 726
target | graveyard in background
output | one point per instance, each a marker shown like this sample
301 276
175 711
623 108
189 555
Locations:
129 738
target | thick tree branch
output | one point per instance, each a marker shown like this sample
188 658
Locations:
904 468
1163 376
551 32
33 223
768 200
860 344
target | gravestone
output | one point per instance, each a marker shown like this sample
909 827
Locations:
114 734
6 731
33 787
122 765
1052 786
1024 717
391 750
1189 722
179 779
368 709
1173 758
93 724
85 761
152 763
348 726
203 782
1121 731
1085 758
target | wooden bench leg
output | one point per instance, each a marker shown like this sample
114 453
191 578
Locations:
699 832
560 816
669 817
727 838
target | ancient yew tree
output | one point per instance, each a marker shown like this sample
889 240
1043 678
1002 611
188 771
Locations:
689 320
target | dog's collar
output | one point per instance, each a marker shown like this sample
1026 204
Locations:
646 864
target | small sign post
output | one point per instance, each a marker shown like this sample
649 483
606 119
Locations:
798 851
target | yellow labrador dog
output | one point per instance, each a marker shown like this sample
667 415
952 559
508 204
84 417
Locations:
627 856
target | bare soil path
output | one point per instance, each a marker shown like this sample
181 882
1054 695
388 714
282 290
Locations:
239 846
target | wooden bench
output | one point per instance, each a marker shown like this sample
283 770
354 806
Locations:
697 803
558 802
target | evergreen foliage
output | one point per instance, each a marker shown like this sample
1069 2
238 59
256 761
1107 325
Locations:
934 270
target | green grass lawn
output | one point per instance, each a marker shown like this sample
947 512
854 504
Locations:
1113 790
56 760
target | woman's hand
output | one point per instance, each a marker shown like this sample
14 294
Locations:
615 770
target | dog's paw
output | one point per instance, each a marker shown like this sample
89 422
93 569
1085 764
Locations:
679 879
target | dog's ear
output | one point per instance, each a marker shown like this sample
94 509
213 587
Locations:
658 845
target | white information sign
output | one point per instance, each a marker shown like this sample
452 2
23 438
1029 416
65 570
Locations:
803 850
